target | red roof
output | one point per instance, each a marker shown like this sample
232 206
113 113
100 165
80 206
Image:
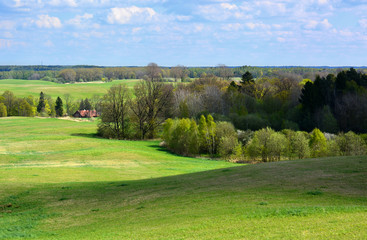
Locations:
86 113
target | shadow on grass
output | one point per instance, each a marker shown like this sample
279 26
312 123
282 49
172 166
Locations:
86 135
257 180
161 149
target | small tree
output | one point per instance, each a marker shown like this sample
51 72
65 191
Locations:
318 143
276 146
351 144
25 109
3 112
59 109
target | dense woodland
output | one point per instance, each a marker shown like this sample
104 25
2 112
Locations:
263 103
83 73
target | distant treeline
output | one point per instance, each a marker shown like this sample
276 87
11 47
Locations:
88 73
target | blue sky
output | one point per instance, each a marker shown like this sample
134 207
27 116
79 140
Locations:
192 33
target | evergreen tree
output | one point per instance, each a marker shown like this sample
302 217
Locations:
87 105
247 78
59 107
81 105
41 104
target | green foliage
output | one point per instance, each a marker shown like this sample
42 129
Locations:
351 144
25 109
226 139
329 123
276 146
3 112
181 136
318 143
41 103
59 109
258 146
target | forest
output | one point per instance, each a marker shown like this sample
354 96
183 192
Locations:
224 116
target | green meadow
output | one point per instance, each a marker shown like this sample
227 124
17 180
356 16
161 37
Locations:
24 88
59 181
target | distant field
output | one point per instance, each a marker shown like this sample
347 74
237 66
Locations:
24 88
63 183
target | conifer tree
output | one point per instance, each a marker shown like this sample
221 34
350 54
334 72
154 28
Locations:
59 107
41 104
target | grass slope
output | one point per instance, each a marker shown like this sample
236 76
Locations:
65 184
24 88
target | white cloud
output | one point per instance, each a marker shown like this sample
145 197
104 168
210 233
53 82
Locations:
232 27
70 3
129 14
45 21
79 20
258 25
229 6
136 30
314 24
325 24
223 11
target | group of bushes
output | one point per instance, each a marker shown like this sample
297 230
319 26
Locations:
220 139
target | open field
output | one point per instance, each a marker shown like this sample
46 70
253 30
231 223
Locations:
24 88
64 183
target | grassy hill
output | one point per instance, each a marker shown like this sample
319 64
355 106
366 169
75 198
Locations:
63 183
24 88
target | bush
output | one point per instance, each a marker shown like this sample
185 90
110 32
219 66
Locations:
298 144
3 111
258 146
181 136
245 136
318 143
276 146
351 144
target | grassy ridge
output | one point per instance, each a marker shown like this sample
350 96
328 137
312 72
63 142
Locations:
66 184
24 88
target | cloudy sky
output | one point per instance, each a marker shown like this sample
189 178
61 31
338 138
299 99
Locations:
193 33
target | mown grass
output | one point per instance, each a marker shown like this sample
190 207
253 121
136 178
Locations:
24 88
63 183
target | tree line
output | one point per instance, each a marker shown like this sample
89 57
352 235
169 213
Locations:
220 139
45 105
179 73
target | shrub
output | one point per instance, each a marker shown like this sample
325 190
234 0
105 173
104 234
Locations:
226 137
181 136
3 111
298 146
351 144
258 146
276 146
245 136
318 143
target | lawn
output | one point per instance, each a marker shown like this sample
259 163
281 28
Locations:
24 88
64 183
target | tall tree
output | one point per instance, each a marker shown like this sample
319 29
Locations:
10 102
154 72
115 112
41 103
59 109
151 106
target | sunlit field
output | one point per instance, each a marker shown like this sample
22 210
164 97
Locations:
24 88
59 181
